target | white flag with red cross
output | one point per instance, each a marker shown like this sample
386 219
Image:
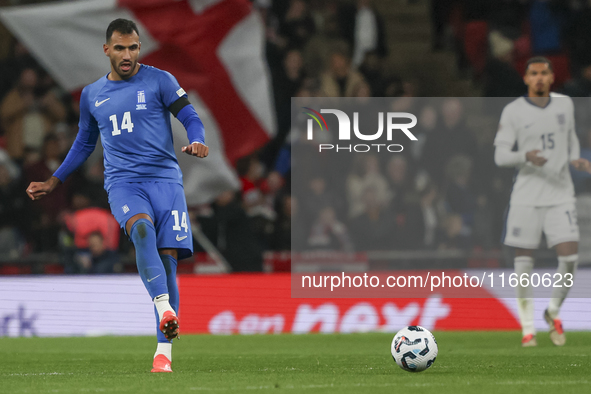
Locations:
215 49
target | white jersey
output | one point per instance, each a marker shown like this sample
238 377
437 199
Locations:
552 131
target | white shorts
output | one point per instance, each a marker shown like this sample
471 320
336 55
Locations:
524 225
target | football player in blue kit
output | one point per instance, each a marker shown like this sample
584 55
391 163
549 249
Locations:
130 107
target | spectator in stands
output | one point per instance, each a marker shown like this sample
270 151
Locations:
28 112
320 47
546 20
440 12
328 233
317 196
94 179
459 197
372 72
261 215
470 38
577 35
97 259
452 236
12 66
297 26
501 79
508 17
14 217
287 81
78 225
580 86
274 43
291 78
428 119
398 182
271 188
376 228
482 229
86 219
282 231
234 237
251 172
366 174
341 80
582 180
423 220
450 139
13 170
363 27
45 229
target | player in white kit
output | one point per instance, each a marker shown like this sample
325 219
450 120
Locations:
537 136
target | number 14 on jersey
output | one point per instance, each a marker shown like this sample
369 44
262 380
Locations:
184 225
125 124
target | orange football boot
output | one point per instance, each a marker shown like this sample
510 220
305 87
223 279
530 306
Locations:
169 325
529 340
556 332
161 364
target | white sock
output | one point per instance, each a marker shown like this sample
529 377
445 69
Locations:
566 264
525 302
162 305
165 349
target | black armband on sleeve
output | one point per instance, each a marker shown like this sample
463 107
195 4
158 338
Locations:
178 105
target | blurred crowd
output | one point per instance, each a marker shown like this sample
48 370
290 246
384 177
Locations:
419 199
442 192
493 39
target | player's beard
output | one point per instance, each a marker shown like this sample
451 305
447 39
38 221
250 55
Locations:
540 89
124 74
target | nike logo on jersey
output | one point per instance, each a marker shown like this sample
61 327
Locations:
149 280
180 238
97 103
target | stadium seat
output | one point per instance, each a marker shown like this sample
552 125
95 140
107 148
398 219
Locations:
476 44
15 269
53 269
561 65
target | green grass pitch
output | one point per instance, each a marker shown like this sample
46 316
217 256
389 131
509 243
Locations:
468 362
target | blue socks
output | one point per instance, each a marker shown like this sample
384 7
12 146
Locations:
158 272
149 264
170 265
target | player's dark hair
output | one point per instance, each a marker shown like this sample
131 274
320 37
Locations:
123 26
539 59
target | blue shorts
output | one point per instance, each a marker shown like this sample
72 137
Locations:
165 203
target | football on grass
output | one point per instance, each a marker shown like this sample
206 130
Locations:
414 348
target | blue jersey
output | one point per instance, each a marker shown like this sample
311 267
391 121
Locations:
133 119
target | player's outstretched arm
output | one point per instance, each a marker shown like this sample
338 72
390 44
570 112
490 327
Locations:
196 149
37 190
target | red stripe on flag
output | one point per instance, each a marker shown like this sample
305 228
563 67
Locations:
188 45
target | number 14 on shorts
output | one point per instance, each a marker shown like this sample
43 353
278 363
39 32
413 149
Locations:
183 221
